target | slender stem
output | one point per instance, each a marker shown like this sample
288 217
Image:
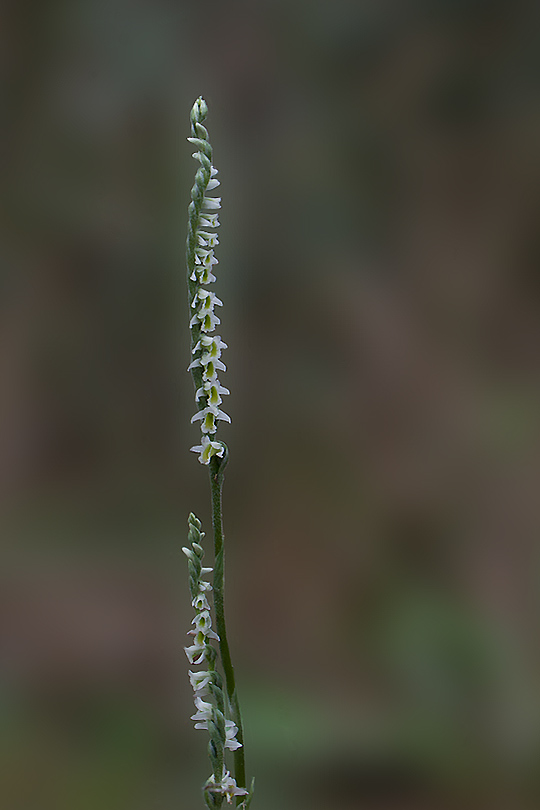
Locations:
217 466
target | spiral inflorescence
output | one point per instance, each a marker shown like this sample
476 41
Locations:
206 347
207 683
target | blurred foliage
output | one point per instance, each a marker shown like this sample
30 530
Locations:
378 262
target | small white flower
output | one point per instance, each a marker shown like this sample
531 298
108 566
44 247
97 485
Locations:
207 239
209 321
210 301
226 786
212 203
196 653
205 586
211 346
211 369
231 730
213 350
203 624
206 257
208 417
200 602
203 274
213 391
203 713
200 682
206 299
207 449
209 220
212 183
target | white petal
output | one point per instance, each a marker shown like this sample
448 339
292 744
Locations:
209 220
206 277
192 652
206 586
212 203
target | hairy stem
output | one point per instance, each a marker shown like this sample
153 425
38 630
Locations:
217 466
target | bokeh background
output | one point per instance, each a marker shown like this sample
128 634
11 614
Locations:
379 256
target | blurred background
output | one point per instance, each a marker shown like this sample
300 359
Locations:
379 163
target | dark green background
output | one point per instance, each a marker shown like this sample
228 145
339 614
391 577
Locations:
379 266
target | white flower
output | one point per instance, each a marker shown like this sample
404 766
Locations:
205 257
208 449
226 786
204 586
213 344
207 239
212 183
209 321
212 389
211 367
206 299
200 682
203 713
212 203
200 602
209 220
208 417
203 274
203 624
231 730
196 653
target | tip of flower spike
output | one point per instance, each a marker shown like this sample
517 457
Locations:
199 111
193 520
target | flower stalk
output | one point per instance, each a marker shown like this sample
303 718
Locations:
218 709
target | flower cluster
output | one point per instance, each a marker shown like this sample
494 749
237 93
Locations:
206 683
206 346
225 787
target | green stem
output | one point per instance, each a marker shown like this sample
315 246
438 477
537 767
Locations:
217 466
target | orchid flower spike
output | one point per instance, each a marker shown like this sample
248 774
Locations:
210 714
206 347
